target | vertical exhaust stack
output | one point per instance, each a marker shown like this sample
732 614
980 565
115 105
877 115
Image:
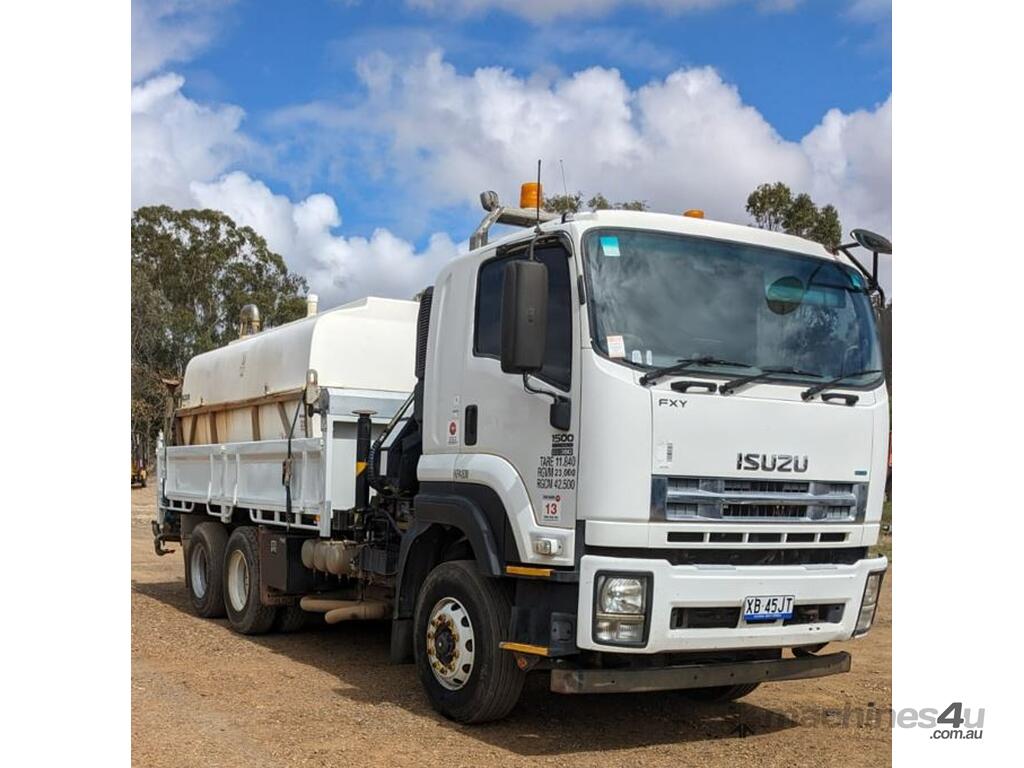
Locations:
363 438
311 304
248 321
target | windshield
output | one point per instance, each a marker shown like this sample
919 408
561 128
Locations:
659 298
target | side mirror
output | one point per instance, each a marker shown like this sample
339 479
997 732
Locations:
871 241
524 316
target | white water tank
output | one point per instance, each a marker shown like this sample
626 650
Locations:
238 392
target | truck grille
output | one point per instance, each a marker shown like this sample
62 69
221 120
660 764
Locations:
740 499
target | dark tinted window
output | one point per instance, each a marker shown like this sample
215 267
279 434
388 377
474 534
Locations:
487 333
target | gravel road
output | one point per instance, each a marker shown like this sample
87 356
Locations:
204 696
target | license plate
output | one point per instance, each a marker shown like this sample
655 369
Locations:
767 607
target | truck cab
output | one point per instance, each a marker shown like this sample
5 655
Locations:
699 495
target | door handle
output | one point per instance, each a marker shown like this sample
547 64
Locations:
470 436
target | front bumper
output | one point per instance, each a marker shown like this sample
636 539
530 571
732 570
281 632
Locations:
717 586
696 675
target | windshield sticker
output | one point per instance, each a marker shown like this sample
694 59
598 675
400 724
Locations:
635 357
610 245
616 346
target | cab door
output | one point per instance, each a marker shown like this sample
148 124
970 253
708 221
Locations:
500 418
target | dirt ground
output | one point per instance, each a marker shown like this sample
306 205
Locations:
204 696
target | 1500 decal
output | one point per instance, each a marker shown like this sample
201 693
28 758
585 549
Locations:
558 469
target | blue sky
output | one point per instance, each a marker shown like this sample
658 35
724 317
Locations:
791 66
324 124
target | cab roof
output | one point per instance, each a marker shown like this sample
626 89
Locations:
578 223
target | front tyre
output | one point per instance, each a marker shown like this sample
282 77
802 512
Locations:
246 613
460 618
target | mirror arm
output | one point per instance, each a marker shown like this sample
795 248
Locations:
555 397
873 283
559 418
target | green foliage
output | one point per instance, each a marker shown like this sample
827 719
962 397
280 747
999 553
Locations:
563 203
573 204
768 205
774 207
633 205
192 271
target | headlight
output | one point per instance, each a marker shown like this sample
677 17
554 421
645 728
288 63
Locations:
620 609
869 603
622 595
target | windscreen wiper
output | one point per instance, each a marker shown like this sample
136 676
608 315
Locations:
810 392
764 373
680 366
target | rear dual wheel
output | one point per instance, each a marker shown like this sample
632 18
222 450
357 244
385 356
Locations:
204 570
222 577
246 613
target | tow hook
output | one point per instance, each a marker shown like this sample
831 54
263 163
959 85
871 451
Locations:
159 538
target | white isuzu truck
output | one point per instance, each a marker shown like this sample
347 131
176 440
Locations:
631 450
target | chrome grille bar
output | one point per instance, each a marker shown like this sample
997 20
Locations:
748 500
674 496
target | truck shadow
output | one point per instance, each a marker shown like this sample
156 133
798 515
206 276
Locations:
543 723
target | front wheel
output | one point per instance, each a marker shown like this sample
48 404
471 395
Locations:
460 618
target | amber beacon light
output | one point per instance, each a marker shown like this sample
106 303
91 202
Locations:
694 213
530 194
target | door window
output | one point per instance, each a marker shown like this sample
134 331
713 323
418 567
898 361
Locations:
557 369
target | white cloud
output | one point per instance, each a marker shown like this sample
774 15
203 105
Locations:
176 141
166 31
685 141
181 154
851 163
337 268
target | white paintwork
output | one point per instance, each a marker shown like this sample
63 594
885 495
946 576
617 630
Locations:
499 474
246 475
646 534
710 586
367 344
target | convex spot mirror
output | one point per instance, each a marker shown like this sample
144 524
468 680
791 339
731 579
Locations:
524 316
871 241
785 295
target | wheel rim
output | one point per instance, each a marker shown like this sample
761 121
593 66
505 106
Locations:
238 580
451 645
198 565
